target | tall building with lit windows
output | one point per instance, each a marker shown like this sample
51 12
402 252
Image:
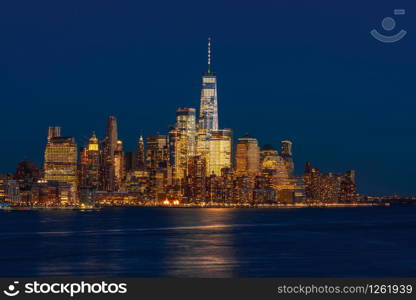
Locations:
60 163
247 156
90 163
157 154
276 175
119 164
286 154
208 119
182 140
140 154
208 113
109 147
202 142
219 152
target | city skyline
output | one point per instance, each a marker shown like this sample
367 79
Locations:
194 164
205 126
342 103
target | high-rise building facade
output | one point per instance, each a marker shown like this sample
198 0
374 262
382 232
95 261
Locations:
119 164
329 188
182 140
287 148
268 158
112 134
90 163
157 154
212 144
286 154
60 163
219 152
208 114
247 156
276 174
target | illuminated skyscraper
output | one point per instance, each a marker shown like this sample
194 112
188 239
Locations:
219 152
9 189
60 163
276 174
108 174
286 154
196 187
112 134
208 114
247 156
208 137
119 164
140 154
329 188
90 163
157 152
182 140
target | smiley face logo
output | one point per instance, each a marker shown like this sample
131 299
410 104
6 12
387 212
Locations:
389 24
11 289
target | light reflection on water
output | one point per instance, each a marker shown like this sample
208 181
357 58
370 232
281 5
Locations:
151 242
203 251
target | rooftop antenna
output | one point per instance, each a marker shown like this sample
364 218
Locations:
209 54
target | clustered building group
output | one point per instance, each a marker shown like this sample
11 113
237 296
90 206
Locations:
194 164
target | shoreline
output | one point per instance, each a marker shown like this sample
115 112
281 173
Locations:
214 205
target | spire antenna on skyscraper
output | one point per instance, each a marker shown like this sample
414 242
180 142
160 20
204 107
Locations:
208 112
209 54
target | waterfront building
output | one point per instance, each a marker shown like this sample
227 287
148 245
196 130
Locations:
277 176
329 188
348 190
48 193
299 189
208 115
60 163
9 189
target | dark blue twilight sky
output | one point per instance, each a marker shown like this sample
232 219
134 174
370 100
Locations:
302 70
